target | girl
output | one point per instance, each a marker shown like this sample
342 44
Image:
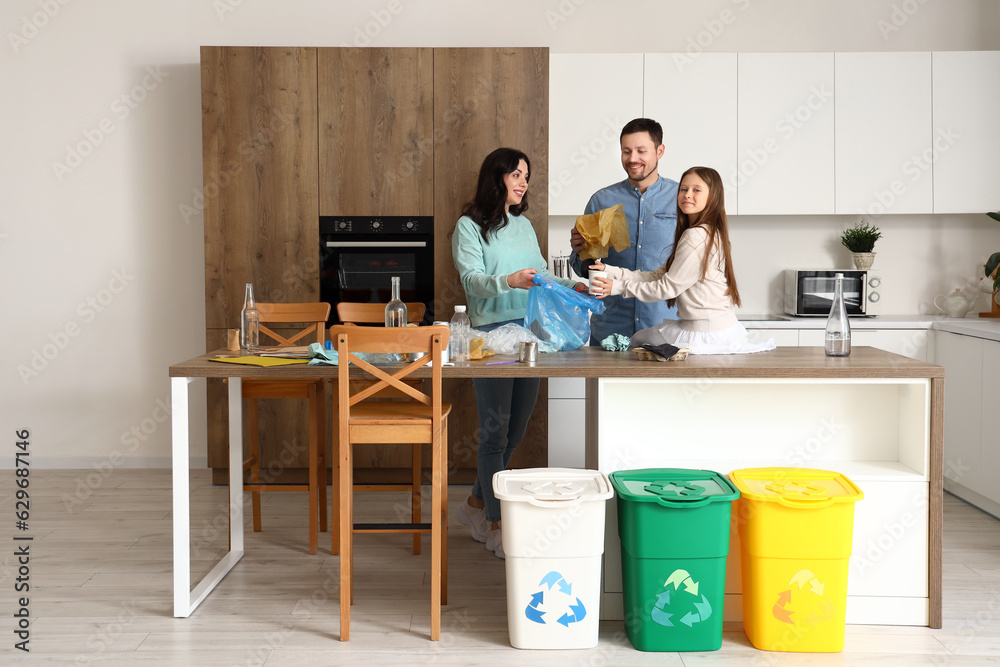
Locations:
497 255
698 276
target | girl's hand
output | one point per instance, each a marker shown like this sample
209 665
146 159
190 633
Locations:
598 266
522 279
600 287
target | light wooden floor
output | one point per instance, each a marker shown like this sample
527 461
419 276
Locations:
101 591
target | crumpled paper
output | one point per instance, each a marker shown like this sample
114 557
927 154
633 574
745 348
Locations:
477 349
603 229
616 343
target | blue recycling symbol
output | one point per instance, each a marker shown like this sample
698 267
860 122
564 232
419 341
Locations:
697 609
555 595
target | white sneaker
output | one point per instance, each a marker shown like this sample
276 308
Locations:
494 543
474 518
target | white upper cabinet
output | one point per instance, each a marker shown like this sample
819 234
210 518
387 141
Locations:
883 133
966 138
591 97
694 98
785 158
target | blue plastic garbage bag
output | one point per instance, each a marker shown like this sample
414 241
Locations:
560 315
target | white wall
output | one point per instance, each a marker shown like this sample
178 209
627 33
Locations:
101 259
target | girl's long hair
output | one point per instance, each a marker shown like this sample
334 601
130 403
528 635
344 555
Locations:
713 219
487 209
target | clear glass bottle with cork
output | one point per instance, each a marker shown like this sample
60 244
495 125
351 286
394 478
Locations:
249 323
838 327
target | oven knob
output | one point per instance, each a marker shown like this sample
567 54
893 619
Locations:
376 225
875 281
342 224
874 297
409 224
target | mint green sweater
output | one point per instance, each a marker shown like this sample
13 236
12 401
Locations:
483 268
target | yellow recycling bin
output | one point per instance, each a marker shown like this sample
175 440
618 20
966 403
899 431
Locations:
796 529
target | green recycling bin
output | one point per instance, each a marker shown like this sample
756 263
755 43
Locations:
674 530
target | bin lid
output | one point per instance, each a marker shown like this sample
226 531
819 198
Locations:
680 487
545 486
796 487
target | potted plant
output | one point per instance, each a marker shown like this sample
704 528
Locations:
860 240
991 272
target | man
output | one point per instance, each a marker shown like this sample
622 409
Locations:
650 204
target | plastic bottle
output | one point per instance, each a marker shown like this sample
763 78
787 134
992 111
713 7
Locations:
395 310
838 327
249 323
461 329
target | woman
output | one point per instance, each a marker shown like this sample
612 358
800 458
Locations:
698 276
497 256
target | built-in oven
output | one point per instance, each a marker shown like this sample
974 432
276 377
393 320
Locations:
360 255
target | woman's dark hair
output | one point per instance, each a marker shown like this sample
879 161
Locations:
713 219
487 209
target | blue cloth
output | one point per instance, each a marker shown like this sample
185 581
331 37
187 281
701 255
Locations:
505 406
652 242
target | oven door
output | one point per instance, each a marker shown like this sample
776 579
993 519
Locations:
814 292
361 271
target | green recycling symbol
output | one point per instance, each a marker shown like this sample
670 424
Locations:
673 490
698 610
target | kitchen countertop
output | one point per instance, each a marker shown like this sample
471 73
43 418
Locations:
980 327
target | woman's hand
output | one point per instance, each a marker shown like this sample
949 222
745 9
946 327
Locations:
582 287
522 279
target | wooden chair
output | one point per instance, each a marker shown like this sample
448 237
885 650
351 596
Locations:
422 419
316 315
374 313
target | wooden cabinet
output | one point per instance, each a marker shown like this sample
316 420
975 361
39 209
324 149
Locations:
966 137
585 124
694 99
261 207
883 127
376 131
785 133
485 98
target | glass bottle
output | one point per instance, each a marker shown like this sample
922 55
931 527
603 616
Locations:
838 327
249 323
458 339
395 310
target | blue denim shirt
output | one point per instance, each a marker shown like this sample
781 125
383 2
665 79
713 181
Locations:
652 219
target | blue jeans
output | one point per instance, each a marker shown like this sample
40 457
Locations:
505 406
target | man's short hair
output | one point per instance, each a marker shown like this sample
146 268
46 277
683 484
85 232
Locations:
644 125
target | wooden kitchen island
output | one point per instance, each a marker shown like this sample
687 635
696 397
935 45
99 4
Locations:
874 416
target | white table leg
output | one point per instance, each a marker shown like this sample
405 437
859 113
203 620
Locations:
185 599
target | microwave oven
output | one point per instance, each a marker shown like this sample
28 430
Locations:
809 293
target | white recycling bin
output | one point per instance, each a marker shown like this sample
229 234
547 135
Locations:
553 539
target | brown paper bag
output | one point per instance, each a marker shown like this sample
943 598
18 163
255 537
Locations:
602 230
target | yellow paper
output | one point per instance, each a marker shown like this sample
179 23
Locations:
259 361
602 230
477 349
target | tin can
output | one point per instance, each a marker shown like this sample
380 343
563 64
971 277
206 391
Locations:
527 352
444 353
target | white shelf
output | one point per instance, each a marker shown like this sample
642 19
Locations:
856 471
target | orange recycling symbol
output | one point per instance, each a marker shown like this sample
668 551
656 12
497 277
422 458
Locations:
804 601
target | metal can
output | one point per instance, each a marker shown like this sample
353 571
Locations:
444 353
527 352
